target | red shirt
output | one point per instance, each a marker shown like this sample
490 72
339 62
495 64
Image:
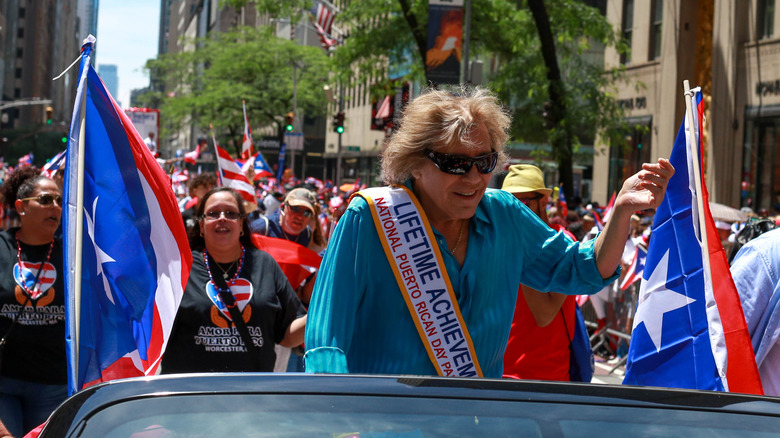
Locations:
539 353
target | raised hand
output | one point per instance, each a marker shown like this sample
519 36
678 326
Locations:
646 188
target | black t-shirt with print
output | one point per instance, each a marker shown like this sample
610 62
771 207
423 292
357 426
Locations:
204 340
35 348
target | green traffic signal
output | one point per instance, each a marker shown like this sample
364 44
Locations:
64 139
289 128
340 129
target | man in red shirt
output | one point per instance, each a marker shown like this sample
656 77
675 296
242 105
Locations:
543 324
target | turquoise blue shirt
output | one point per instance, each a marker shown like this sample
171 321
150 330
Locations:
359 322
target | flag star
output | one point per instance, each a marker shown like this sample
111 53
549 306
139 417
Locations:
655 300
100 255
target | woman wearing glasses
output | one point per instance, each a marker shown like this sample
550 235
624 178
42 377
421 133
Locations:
422 278
236 296
33 379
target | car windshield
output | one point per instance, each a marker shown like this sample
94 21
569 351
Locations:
392 416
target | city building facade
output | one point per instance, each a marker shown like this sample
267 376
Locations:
38 41
729 49
110 76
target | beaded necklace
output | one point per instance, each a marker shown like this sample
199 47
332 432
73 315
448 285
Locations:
30 293
235 276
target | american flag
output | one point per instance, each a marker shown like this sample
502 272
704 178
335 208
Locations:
322 19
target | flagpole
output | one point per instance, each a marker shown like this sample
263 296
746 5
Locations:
79 224
77 265
216 153
693 152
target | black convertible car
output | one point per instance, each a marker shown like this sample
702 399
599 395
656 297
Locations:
345 406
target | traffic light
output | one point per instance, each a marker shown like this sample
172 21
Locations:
288 122
338 123
49 111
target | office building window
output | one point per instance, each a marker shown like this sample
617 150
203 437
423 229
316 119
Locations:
655 29
628 29
760 161
626 158
766 19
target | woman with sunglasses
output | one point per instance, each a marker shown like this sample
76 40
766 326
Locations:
422 278
33 368
291 220
236 296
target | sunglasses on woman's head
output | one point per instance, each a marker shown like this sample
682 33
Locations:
45 199
461 164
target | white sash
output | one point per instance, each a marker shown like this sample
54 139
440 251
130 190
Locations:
413 254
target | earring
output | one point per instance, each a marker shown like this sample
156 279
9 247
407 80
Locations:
201 234
21 213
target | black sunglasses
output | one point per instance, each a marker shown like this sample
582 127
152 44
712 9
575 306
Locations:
297 209
461 164
46 199
216 214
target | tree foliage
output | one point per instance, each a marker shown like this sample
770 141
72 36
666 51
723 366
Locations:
205 86
504 33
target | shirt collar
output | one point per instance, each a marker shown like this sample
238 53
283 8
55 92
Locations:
480 215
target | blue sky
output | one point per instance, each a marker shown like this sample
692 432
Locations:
127 36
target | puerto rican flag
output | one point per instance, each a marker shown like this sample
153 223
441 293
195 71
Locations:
230 174
26 160
562 199
192 156
259 165
689 329
608 208
247 147
36 277
297 261
51 168
634 272
125 243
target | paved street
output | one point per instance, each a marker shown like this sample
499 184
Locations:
604 374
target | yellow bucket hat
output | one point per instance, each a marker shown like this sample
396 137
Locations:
524 178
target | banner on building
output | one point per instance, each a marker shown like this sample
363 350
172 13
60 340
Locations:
145 120
445 37
387 110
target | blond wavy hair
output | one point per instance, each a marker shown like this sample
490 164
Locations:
438 119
